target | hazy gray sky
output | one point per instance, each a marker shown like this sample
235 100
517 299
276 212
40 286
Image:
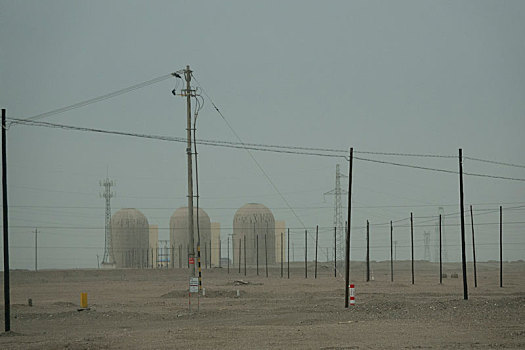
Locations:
403 76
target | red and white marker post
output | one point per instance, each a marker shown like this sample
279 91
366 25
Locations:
352 294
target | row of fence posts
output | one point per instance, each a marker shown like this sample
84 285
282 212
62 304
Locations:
243 254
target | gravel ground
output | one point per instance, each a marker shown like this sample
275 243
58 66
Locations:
148 309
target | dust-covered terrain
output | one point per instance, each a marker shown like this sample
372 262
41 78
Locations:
148 309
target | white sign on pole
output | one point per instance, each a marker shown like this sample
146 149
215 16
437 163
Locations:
194 284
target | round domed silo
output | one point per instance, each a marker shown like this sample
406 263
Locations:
254 223
180 236
129 238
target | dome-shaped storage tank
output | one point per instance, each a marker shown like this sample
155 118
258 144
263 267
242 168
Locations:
129 238
180 236
254 223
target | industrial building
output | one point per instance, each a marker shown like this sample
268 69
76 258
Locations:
130 235
254 223
179 235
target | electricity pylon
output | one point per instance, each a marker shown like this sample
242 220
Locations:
337 192
107 195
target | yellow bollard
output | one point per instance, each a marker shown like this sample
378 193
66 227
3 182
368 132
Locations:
83 300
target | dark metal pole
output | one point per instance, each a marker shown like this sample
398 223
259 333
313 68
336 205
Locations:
412 243
36 249
240 246
440 254
462 209
367 251
391 253
257 249
349 224
266 249
288 255
500 247
305 254
316 243
335 251
282 253
7 299
473 248
266 255
244 255
228 252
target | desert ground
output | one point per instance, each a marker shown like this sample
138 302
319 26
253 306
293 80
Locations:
148 309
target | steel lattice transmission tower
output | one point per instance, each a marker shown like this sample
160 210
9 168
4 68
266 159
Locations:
337 192
107 195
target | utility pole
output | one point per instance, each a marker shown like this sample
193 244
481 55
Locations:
367 251
189 94
462 210
473 248
412 243
391 253
108 258
349 225
36 249
7 297
440 251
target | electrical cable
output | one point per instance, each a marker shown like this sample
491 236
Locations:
495 162
101 98
251 155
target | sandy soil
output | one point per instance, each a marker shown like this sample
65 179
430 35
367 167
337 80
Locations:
148 309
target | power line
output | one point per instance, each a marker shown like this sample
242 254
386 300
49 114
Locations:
280 208
495 162
251 155
241 145
406 154
101 98
438 170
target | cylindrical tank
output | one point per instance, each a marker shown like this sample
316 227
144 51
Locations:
129 238
180 236
254 223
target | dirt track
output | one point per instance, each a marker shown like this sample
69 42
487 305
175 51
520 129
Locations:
148 309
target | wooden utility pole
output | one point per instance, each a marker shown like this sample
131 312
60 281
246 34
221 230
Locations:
462 210
367 251
266 255
473 248
305 254
288 255
501 246
240 245
316 243
282 253
391 253
36 249
256 249
440 253
7 298
412 243
349 224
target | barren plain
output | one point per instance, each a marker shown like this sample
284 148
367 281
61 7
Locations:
148 309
